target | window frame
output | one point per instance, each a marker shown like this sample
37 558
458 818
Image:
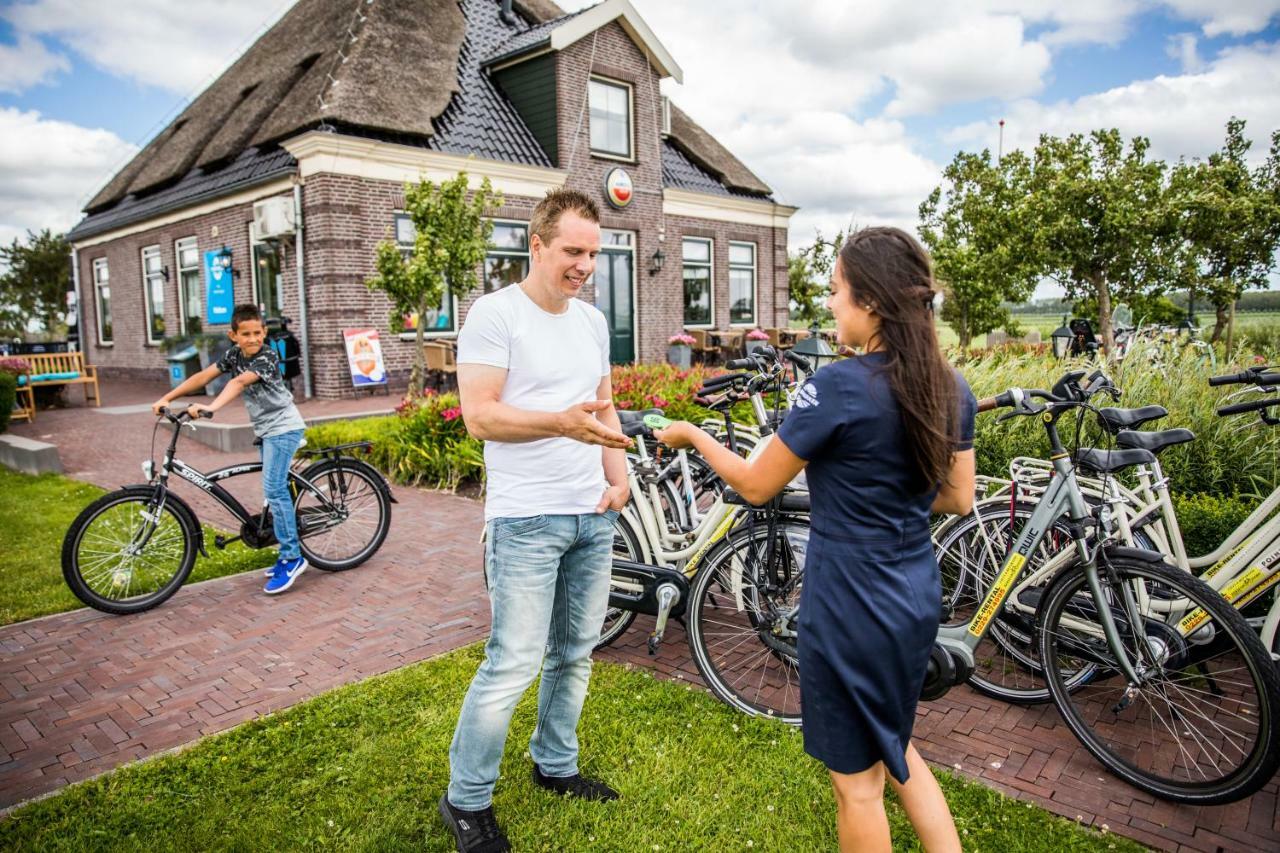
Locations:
630 89
147 281
98 284
507 253
755 282
396 216
178 246
710 264
255 242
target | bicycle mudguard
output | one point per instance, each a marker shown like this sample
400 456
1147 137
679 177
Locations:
1141 554
351 462
179 505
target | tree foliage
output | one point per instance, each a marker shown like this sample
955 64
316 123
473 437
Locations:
808 273
451 237
34 284
1229 221
975 228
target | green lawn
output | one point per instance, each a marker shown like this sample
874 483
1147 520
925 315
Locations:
362 768
35 513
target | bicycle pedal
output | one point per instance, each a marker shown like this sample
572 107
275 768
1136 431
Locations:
220 542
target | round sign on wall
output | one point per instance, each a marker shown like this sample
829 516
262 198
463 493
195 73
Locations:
617 187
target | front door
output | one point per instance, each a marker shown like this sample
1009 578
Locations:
615 282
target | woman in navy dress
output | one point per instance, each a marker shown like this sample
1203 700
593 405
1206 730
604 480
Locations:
886 438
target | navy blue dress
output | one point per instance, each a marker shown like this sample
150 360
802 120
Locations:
870 603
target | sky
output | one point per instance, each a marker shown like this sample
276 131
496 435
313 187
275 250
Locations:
849 110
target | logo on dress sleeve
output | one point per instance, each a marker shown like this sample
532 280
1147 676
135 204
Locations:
807 397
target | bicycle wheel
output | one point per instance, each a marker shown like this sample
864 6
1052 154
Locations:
124 554
742 619
347 528
970 554
626 546
1200 726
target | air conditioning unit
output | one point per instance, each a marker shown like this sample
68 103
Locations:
666 116
273 218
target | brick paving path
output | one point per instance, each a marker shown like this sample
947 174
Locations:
83 692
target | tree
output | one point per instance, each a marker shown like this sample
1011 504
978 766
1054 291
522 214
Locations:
451 238
1229 221
808 272
1100 218
975 230
35 282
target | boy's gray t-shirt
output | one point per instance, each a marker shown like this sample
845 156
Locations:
270 405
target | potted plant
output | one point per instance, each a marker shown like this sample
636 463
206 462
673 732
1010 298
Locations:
680 350
756 338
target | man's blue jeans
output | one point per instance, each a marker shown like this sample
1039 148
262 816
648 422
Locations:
548 578
277 454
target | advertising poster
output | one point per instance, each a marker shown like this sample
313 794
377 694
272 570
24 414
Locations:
364 356
219 290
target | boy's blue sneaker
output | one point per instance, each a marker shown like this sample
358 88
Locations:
283 574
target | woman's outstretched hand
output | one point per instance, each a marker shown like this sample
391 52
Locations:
678 435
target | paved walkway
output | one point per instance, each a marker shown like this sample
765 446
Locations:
83 692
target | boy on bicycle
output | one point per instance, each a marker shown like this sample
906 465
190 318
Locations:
255 372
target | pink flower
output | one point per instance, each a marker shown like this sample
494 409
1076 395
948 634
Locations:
451 414
757 335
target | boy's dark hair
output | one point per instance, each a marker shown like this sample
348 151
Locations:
244 312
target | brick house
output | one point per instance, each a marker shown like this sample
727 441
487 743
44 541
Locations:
340 103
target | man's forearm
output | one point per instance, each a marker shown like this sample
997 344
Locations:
615 460
494 421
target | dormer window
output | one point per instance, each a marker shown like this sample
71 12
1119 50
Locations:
610 118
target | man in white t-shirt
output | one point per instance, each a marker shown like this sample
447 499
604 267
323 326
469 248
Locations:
533 375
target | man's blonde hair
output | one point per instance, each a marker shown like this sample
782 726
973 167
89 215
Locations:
545 221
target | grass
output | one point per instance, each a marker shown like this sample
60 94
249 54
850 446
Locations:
35 513
362 767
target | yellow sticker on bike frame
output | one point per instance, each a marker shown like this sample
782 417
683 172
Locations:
1230 592
998 592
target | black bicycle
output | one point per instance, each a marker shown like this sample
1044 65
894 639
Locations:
131 549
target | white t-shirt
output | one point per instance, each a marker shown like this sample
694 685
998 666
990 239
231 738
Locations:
553 361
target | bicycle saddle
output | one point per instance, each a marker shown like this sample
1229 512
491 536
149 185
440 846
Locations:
792 501
1111 461
1118 419
627 416
1154 441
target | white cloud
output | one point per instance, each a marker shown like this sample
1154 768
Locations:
1182 47
48 168
28 63
1182 115
175 46
1234 18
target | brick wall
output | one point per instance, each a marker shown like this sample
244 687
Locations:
129 354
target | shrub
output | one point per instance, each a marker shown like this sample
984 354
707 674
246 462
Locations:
1206 520
8 395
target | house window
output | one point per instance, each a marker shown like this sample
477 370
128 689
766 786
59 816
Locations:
102 295
443 318
190 304
742 283
610 118
268 285
697 282
153 293
507 261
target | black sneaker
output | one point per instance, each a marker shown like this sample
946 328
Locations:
576 785
475 832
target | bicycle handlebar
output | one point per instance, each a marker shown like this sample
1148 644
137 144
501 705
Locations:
173 416
1255 375
1253 406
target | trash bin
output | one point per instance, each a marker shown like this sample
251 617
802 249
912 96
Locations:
183 364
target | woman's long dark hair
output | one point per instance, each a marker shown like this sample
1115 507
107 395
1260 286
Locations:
889 271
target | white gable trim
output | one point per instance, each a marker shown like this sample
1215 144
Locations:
627 16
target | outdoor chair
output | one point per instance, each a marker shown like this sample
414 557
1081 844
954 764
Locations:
702 349
442 364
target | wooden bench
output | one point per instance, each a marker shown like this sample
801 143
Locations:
63 368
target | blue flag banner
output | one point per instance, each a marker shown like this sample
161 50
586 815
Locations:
219 289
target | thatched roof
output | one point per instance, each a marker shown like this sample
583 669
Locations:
400 72
413 73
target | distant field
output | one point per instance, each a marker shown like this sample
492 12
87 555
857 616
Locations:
1265 324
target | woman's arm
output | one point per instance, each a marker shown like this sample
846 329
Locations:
757 479
956 494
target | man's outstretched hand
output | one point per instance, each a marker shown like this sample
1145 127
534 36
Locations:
579 423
